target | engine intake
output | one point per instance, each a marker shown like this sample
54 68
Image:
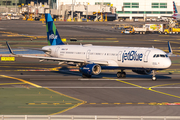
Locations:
90 69
143 72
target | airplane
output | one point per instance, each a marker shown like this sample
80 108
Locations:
92 59
175 15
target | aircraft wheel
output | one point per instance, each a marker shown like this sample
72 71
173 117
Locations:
153 78
118 74
121 74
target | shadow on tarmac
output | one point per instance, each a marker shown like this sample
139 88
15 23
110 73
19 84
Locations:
66 71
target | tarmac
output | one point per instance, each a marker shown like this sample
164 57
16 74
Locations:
104 94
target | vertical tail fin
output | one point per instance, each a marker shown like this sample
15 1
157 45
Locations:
174 8
52 33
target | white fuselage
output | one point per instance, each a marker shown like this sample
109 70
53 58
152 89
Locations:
121 57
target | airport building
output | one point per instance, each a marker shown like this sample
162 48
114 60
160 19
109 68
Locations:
129 8
19 2
11 2
122 9
10 5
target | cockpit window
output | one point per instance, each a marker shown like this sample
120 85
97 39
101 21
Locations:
160 55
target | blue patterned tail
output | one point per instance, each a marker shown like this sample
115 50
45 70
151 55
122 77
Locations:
52 33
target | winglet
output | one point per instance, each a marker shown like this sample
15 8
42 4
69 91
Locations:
170 49
10 50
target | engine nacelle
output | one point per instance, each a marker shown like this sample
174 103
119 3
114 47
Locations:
90 69
143 72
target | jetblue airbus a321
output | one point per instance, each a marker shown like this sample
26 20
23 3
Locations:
92 59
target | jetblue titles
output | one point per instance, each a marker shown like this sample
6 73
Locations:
52 36
132 56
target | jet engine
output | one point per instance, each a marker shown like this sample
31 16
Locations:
90 69
143 72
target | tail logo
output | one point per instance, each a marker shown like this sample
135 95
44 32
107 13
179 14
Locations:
52 36
52 33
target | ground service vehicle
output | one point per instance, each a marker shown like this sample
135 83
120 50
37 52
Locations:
149 28
172 31
142 30
128 31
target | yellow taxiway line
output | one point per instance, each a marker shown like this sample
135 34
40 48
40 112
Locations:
35 85
83 102
24 81
150 88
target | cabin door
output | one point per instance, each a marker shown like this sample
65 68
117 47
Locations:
88 54
146 55
119 56
57 52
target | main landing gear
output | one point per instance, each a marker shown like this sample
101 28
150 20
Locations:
153 76
121 74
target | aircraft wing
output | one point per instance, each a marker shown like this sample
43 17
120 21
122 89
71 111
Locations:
100 62
66 59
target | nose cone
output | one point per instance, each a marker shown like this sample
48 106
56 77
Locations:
166 63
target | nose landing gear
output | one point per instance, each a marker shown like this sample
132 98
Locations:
153 76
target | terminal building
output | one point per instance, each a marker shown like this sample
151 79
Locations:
129 8
122 9
19 2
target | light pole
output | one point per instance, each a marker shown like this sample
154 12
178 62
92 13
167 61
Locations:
87 11
72 11
16 5
6 3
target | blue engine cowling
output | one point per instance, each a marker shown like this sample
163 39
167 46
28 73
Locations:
90 69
